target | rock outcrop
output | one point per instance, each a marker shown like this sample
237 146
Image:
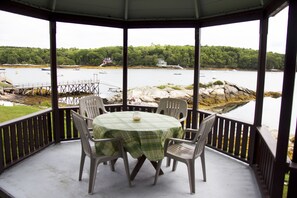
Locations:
211 95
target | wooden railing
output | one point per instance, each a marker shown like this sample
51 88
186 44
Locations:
23 137
265 151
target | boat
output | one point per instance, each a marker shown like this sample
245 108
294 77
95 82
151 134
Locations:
45 69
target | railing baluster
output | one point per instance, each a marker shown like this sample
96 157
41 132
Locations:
35 132
226 135
20 140
68 124
221 131
45 128
31 135
1 152
238 139
244 141
13 142
232 135
40 131
26 137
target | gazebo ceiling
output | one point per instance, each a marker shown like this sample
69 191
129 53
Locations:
131 12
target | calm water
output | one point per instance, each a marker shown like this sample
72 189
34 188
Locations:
112 78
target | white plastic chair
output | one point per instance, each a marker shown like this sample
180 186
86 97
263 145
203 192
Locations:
187 151
90 107
174 107
90 151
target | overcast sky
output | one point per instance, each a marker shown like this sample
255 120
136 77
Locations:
17 30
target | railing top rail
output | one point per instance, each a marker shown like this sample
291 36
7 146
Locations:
76 107
270 141
25 117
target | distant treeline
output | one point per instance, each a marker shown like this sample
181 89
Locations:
211 56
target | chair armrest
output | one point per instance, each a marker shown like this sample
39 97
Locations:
178 140
105 140
190 131
119 143
175 140
87 118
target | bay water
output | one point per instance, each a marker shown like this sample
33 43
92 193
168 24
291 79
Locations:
111 79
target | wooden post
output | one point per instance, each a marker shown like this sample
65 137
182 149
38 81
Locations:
53 58
260 87
196 77
292 190
291 58
125 67
280 167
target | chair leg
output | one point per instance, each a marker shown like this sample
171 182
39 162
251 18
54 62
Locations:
191 174
157 171
125 158
174 165
112 163
168 161
203 165
82 162
93 173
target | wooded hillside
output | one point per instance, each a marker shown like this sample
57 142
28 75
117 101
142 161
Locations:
211 56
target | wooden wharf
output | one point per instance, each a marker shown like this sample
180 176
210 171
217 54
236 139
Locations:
64 88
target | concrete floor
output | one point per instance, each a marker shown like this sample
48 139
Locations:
54 173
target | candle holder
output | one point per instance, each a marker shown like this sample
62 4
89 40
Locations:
136 116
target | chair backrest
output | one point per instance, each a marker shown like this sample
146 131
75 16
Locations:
202 134
173 107
91 106
81 126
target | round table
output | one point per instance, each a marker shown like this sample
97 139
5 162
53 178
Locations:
143 137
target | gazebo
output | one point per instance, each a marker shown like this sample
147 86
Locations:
267 158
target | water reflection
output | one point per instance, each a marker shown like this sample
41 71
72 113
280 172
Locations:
70 100
227 108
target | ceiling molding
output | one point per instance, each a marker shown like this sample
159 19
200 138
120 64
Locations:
53 5
196 9
126 9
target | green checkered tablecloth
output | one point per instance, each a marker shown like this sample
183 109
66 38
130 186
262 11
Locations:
146 136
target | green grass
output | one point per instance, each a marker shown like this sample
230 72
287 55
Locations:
162 86
285 191
12 112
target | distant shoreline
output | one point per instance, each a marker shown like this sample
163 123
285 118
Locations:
110 67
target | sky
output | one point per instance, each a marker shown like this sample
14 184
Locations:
21 31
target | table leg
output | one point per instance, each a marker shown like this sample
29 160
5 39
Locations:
155 166
139 164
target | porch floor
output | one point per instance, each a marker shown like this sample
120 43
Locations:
53 172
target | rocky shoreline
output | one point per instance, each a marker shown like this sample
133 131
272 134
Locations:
218 96
212 96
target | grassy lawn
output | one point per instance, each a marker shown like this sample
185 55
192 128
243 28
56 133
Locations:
12 112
